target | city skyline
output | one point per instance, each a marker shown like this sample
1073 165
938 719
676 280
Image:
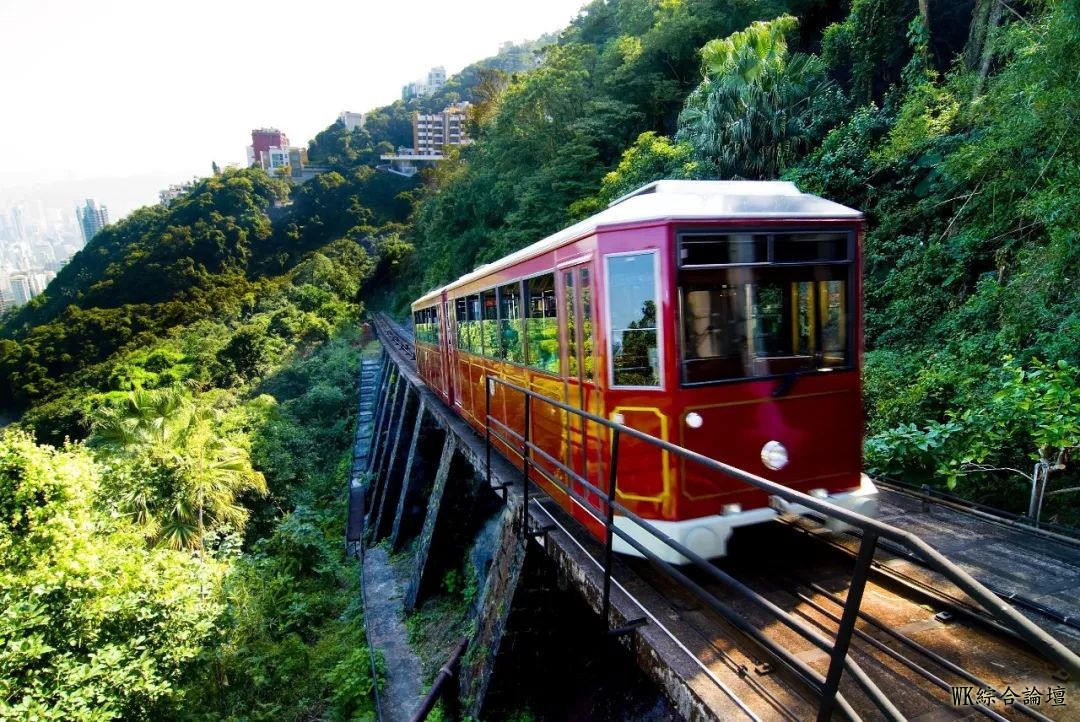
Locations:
90 120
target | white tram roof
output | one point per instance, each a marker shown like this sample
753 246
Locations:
685 200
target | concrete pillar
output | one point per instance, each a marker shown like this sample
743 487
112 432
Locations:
493 612
381 396
434 501
395 462
419 467
382 437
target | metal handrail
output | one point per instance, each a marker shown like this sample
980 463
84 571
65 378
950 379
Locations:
872 529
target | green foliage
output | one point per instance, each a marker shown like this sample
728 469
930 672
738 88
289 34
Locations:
650 158
1034 412
869 45
756 110
546 140
94 626
174 472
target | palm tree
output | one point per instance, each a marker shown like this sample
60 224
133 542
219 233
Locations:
170 437
752 115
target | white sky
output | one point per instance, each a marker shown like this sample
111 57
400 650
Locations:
119 88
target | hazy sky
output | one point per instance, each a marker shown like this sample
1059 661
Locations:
120 88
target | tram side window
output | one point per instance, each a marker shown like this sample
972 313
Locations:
472 324
587 329
420 325
430 325
632 300
510 323
541 323
489 324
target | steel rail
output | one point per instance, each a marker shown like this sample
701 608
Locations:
1014 597
1036 637
719 576
912 644
888 651
871 527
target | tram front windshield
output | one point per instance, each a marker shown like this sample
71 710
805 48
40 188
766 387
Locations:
759 305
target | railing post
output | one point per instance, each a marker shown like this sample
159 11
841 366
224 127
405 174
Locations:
525 466
847 624
487 425
609 535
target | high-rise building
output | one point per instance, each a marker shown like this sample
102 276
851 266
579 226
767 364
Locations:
436 78
92 219
431 133
20 288
18 224
262 140
351 120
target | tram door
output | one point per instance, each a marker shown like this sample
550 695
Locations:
451 352
582 440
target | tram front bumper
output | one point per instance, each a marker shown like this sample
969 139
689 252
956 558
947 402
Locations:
708 536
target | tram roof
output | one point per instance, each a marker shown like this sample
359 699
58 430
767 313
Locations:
682 200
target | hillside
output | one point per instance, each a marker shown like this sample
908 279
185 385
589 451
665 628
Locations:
171 500
951 125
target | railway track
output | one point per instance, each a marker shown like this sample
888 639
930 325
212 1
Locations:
394 335
917 647
932 653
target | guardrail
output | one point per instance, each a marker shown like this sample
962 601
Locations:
827 687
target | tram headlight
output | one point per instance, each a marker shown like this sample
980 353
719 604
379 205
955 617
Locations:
694 420
774 455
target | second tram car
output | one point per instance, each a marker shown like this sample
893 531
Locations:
722 316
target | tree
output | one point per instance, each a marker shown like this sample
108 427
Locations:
754 112
182 475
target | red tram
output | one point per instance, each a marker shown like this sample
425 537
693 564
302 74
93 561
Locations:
722 316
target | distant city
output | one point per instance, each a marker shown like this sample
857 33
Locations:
36 240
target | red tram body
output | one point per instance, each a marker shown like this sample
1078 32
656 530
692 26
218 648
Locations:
722 316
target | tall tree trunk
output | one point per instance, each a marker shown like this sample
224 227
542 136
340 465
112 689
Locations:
924 13
980 16
986 54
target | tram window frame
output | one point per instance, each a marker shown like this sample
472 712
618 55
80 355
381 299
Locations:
818 280
588 330
552 364
657 329
511 353
472 324
489 317
461 313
